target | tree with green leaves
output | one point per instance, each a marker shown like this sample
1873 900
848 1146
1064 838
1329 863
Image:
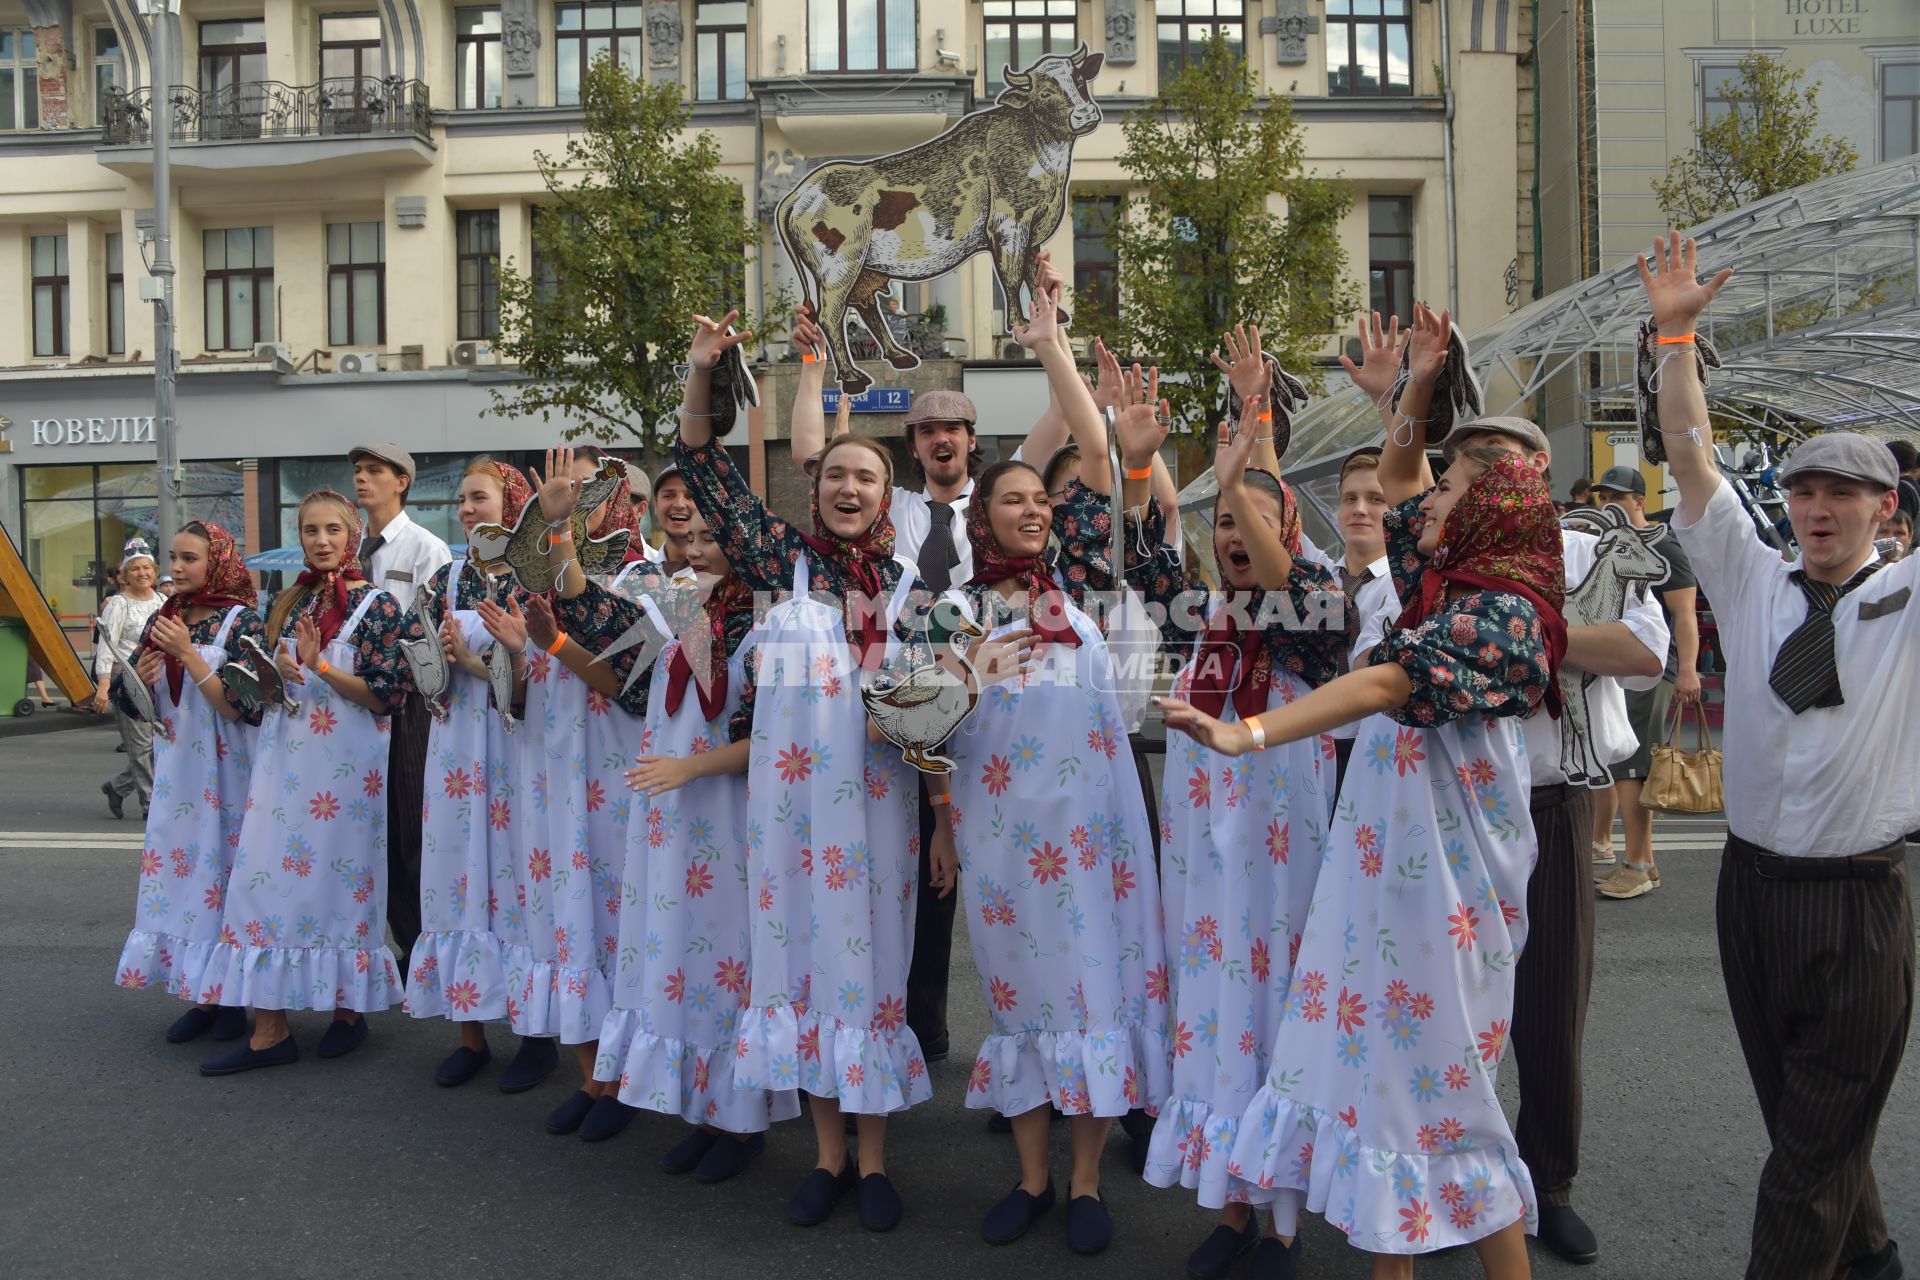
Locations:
642 233
1199 248
1766 144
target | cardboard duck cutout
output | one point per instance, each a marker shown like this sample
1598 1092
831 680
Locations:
995 183
919 711
1624 562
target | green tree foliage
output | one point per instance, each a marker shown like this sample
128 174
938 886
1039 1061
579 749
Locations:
643 232
1765 145
1199 248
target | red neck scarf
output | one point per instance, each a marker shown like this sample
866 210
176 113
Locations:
1235 662
862 555
331 585
1046 603
228 584
706 644
1502 535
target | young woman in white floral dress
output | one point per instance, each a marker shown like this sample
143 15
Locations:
831 854
307 898
1379 1109
202 764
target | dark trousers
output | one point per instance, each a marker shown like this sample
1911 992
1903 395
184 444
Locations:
1342 752
932 946
1550 988
1820 979
406 781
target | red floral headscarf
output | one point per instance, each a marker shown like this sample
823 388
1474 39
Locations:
515 492
1046 603
332 583
228 583
862 555
1236 663
705 643
1503 535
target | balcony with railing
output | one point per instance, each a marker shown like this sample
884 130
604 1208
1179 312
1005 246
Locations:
264 124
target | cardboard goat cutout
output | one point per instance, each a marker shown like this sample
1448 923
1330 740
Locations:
996 183
1626 561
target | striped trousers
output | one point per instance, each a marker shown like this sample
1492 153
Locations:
1820 978
406 799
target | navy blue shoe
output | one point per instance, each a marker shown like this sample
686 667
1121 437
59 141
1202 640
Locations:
462 1065
229 1022
342 1038
813 1202
1009 1220
1222 1249
880 1206
1089 1225
191 1025
246 1058
538 1057
566 1117
686 1155
729 1156
608 1117
1274 1261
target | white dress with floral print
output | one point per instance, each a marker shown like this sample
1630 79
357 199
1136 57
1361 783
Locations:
1379 1107
686 932
1063 905
202 767
832 862
307 903
1242 843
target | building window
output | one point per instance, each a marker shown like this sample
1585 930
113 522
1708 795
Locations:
356 284
50 298
1019 32
476 59
1719 90
1096 265
546 273
1368 48
19 81
861 35
116 297
583 32
233 65
1185 25
477 251
107 73
239 287
1899 109
720 51
1390 256
350 47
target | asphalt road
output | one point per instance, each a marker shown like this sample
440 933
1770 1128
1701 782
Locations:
118 1159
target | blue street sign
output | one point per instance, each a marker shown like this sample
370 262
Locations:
872 400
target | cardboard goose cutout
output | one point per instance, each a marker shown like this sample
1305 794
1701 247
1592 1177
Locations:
995 183
1625 561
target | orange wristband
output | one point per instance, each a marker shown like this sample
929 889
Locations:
940 802
559 642
322 667
1677 340
807 357
1144 473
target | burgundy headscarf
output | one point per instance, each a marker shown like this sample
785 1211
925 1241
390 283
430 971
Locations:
1230 661
862 555
1046 603
333 583
706 644
515 492
228 584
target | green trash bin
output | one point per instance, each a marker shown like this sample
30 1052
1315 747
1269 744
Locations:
13 666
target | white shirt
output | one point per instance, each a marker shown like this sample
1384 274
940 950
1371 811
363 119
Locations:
122 621
1376 604
406 558
1831 781
913 520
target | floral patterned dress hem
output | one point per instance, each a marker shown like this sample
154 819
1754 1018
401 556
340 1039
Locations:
868 1072
1086 1073
459 975
556 1000
680 1078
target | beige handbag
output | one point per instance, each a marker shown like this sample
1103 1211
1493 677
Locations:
1681 781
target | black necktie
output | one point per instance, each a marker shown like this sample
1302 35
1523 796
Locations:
1805 672
1350 584
367 548
937 553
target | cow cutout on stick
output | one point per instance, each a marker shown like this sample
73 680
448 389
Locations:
995 183
1625 562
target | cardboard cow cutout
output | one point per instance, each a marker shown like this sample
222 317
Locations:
1624 563
995 183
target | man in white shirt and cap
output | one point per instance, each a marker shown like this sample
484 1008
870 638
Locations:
1814 913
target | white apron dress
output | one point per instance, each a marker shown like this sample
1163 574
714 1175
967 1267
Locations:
1243 840
686 930
305 923
1063 907
613 740
457 970
202 764
832 863
1379 1102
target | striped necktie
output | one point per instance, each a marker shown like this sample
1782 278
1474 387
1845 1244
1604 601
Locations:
1805 672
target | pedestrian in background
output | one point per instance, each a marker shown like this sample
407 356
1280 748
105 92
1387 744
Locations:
123 620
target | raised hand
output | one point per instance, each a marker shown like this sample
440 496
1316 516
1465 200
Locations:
1107 378
306 643
559 492
287 662
542 628
170 635
1233 448
507 626
1047 276
1144 418
1379 357
1246 367
805 335
711 340
1228 739
1043 326
1674 289
1428 343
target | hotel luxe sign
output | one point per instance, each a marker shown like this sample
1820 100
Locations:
115 430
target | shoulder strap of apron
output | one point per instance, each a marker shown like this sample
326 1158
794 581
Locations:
658 619
345 633
625 569
226 625
454 570
802 577
908 579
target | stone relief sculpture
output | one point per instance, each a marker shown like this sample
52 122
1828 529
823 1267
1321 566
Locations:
1123 30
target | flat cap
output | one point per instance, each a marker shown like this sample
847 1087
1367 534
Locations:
942 405
1623 480
1527 433
391 454
1844 453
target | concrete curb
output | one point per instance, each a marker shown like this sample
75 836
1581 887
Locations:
50 721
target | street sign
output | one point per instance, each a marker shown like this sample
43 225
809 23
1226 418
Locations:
872 400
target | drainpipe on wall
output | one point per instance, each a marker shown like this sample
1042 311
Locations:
1446 152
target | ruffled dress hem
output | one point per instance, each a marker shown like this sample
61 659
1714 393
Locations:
868 1072
362 979
459 975
679 1078
1192 1147
566 1001
168 962
1081 1073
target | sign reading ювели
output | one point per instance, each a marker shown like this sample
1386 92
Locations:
116 430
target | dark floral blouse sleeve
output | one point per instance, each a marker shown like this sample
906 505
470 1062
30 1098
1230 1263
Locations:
1177 600
1084 525
203 633
1482 654
1313 649
759 545
376 644
596 618
1403 526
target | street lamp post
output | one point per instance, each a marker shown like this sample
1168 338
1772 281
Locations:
159 289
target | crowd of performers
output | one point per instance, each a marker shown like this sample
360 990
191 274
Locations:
663 828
